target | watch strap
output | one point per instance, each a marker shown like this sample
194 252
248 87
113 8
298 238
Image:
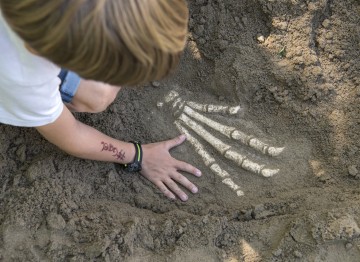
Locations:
135 166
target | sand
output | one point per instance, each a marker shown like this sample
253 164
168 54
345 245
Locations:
293 68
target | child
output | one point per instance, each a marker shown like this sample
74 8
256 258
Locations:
112 42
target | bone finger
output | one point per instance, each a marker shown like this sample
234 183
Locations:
224 149
249 165
226 130
214 108
227 180
269 172
210 161
207 158
231 132
233 186
275 151
212 140
171 96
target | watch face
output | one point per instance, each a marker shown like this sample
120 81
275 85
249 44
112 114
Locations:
134 167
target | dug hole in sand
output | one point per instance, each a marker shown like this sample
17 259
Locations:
292 67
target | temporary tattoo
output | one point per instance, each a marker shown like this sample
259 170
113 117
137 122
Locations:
119 154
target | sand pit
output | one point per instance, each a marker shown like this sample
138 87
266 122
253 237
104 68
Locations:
293 68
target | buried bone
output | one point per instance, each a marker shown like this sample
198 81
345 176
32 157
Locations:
210 161
224 149
231 132
191 115
231 110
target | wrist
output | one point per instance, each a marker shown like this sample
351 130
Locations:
131 153
135 164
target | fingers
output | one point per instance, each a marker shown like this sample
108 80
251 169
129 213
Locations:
183 166
175 141
165 190
176 189
171 189
164 172
182 180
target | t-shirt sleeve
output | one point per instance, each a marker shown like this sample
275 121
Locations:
30 106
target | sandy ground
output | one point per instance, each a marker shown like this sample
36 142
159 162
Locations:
293 67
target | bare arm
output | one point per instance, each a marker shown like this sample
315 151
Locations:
83 141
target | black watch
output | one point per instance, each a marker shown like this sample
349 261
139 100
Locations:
136 165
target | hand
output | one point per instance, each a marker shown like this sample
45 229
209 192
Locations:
161 168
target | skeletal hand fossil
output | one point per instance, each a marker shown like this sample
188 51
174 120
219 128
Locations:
190 118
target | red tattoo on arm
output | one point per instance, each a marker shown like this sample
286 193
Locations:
118 154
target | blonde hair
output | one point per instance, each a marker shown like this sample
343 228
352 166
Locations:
121 42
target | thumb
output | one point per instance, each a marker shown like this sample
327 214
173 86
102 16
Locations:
175 141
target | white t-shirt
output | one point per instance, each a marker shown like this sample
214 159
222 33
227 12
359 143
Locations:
29 86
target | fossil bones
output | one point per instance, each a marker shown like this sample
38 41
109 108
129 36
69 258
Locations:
190 118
